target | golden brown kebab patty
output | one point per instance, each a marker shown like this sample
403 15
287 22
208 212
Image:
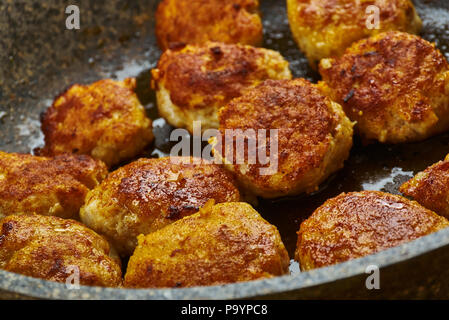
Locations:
104 119
395 85
220 244
325 28
57 249
192 83
356 224
314 137
149 194
197 21
48 186
431 187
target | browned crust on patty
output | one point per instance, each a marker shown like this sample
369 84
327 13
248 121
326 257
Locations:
319 14
149 194
356 224
174 190
213 74
47 247
431 187
306 122
225 243
394 85
104 119
198 21
47 186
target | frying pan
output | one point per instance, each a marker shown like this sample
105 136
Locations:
39 58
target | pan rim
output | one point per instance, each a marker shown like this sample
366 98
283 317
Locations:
43 289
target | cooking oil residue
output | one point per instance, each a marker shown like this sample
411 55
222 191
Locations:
379 183
30 130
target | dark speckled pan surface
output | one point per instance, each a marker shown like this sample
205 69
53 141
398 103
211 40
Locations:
39 58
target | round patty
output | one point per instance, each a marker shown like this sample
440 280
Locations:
57 249
314 137
149 194
431 187
325 28
395 85
48 186
356 224
197 21
104 120
222 243
192 83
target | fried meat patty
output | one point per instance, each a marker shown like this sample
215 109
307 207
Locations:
325 28
307 138
197 21
395 85
47 186
356 224
149 194
57 249
431 187
220 244
104 120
